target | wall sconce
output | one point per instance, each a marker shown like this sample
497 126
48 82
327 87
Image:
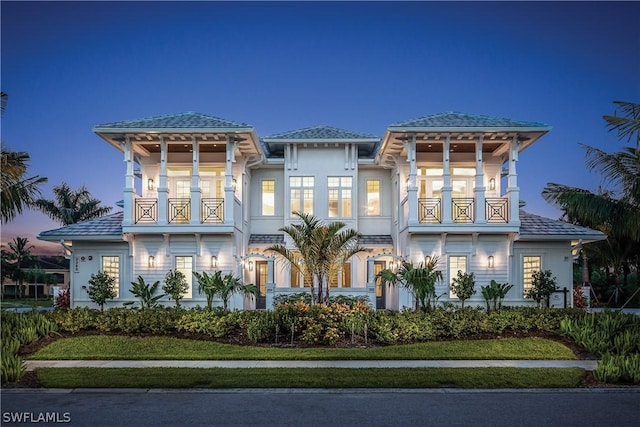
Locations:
152 261
492 184
234 184
250 265
427 260
150 184
214 261
490 261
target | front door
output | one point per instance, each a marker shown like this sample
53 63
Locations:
378 266
261 284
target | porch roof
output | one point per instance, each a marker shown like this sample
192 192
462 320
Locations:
376 239
535 227
108 227
266 239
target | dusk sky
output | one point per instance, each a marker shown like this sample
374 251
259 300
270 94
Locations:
282 66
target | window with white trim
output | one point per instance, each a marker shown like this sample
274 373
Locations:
456 263
184 264
268 197
301 190
373 197
530 264
339 188
111 266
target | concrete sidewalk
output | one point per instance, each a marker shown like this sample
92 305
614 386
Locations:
588 365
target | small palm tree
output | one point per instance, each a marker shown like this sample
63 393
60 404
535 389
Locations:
20 253
319 251
420 280
212 285
72 206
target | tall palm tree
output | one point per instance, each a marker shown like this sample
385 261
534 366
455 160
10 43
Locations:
20 252
72 206
17 191
616 210
420 280
318 251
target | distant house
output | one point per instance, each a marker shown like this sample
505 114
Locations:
211 195
54 273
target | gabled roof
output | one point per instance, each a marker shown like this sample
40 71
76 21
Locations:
188 121
322 133
108 227
538 227
456 120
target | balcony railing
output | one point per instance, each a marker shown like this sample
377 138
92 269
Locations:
429 211
146 211
212 211
178 211
497 210
463 210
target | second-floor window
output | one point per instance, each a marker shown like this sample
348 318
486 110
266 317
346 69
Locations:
373 197
268 197
339 188
301 188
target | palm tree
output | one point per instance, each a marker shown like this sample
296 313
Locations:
216 285
72 206
614 211
420 280
319 251
17 191
20 253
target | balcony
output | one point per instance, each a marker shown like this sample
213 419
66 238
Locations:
178 211
463 210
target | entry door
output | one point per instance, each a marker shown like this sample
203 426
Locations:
378 266
261 279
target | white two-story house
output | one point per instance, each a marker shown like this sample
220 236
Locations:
203 193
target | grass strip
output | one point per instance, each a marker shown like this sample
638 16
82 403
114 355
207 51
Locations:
310 378
115 347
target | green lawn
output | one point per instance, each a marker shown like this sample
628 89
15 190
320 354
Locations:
115 347
310 378
25 302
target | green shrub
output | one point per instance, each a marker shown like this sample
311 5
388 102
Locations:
175 285
146 293
214 323
543 284
291 298
602 333
12 367
75 320
618 369
463 286
101 288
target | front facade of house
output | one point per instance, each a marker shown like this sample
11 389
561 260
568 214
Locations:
203 193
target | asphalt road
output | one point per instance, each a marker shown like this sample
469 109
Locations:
340 407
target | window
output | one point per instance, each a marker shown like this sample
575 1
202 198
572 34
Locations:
301 188
268 197
185 265
111 266
456 263
344 272
294 279
373 197
340 196
530 264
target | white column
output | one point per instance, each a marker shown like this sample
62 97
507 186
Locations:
412 187
446 183
479 191
163 190
129 184
228 184
512 187
195 183
270 284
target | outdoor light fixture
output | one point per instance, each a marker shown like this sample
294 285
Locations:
427 260
150 184
152 261
492 184
250 265
234 184
214 261
490 261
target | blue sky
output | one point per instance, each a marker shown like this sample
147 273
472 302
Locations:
68 66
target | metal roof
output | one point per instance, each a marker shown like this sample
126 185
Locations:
266 239
187 120
464 120
322 133
537 226
106 227
376 239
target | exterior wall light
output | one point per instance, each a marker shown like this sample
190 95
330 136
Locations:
490 261
427 260
151 185
250 265
214 261
152 261
492 184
